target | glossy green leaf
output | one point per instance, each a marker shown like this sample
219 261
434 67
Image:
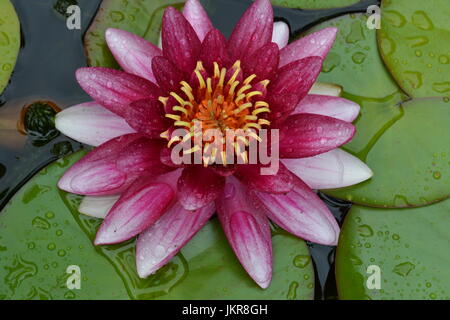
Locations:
313 4
410 247
42 233
141 17
410 157
399 143
9 41
354 62
414 41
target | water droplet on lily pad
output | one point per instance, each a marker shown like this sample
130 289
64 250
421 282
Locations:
301 261
403 269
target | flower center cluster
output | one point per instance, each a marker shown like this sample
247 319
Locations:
219 104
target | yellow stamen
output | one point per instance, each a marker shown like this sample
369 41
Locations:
173 116
216 70
163 100
200 79
260 110
252 94
181 109
221 105
182 124
165 135
242 108
249 79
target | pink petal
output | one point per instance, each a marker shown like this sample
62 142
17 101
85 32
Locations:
167 75
214 49
113 166
115 89
137 208
97 207
334 107
264 62
294 80
316 44
198 186
179 40
248 232
253 30
307 135
250 175
280 34
147 117
91 124
133 53
198 18
333 169
162 241
300 212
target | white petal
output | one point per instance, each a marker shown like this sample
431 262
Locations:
280 34
333 169
91 124
335 107
97 207
327 89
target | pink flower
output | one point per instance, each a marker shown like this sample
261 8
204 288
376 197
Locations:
246 81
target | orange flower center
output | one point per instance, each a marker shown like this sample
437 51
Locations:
219 104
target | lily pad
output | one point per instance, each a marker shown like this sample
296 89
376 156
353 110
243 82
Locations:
409 246
414 41
314 4
42 234
9 41
410 158
141 17
354 62
398 141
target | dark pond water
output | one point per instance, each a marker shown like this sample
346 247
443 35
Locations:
48 58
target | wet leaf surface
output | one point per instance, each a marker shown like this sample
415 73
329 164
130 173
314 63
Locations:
9 41
403 143
410 156
138 16
410 247
414 41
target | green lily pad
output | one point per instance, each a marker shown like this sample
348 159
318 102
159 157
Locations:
354 57
314 4
9 41
397 141
410 158
414 41
42 234
141 17
409 246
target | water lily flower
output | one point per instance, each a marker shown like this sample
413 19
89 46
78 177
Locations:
247 81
